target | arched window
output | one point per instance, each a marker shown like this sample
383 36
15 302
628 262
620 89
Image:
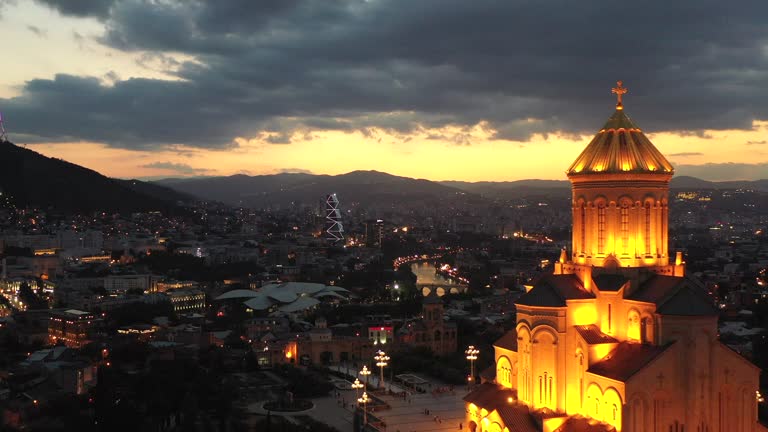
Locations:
647 228
583 228
600 228
624 219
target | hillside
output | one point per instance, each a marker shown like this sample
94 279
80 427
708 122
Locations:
378 188
34 180
362 187
521 188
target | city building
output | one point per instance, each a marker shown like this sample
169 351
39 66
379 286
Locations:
618 337
186 301
431 330
374 232
74 328
120 284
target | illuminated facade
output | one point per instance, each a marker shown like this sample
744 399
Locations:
617 338
187 301
73 328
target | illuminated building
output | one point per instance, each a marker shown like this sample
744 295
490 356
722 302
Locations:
617 338
74 328
168 285
374 233
186 301
380 335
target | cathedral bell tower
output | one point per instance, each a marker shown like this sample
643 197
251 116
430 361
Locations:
620 186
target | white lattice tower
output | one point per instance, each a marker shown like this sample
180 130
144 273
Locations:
3 134
334 228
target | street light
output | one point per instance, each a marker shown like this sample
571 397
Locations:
471 353
364 400
381 360
365 372
357 385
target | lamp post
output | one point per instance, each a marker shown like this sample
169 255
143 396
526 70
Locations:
357 385
365 372
381 360
471 353
364 400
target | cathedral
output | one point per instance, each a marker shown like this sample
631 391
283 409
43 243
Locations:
617 338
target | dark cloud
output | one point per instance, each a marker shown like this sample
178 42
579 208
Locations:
725 171
685 154
282 66
81 8
37 31
178 168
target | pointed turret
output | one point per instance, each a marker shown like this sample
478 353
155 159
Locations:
620 147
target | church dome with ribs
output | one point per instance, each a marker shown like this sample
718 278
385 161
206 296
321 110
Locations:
620 147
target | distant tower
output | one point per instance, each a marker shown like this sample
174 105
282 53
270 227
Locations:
334 229
3 135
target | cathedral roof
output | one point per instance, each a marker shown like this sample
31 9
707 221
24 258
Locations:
620 147
508 341
593 336
610 282
490 396
516 416
675 296
553 290
489 373
584 424
626 360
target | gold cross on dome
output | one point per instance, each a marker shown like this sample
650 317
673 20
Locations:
619 91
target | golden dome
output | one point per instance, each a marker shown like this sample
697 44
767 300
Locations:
620 147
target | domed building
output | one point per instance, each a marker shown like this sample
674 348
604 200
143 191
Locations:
618 338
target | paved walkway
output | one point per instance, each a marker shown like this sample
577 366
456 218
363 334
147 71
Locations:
405 415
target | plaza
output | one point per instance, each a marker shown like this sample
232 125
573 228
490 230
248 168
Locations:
404 414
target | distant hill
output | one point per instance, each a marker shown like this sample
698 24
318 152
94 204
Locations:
361 187
521 188
34 180
688 182
515 189
373 187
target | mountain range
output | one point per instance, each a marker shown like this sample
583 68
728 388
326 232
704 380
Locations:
367 187
37 181
360 187
520 188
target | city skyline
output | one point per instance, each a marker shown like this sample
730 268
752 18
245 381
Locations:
137 89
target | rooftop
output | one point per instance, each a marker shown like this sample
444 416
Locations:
554 290
626 360
593 336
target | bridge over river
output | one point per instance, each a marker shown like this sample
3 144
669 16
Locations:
427 279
